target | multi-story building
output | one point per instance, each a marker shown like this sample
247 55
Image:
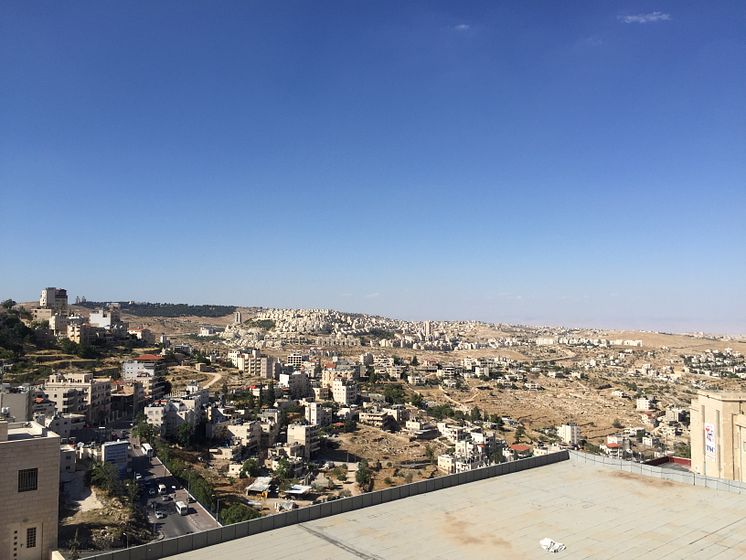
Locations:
80 393
168 415
107 319
378 419
116 453
318 415
307 436
296 360
149 370
322 393
127 398
569 434
145 364
29 491
58 324
17 400
146 335
249 434
80 333
297 383
344 391
718 435
53 298
65 425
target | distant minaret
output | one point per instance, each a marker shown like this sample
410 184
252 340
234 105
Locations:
237 318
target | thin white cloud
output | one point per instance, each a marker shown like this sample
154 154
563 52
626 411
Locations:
651 17
462 27
372 296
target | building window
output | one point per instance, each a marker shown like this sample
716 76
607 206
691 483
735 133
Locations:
28 479
31 537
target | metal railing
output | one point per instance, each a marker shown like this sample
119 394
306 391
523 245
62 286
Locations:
661 473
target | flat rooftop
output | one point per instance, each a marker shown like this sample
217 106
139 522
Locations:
597 512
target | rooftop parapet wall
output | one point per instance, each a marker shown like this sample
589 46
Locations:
185 543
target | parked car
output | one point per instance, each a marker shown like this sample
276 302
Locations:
160 514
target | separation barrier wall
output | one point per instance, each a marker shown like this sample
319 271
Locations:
185 543
674 475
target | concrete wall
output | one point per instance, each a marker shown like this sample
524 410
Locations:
168 547
652 471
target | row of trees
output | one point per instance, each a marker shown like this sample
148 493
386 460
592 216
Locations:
167 309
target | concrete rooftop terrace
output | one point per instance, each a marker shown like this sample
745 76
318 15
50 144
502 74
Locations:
596 512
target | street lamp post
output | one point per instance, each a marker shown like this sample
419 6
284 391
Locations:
127 537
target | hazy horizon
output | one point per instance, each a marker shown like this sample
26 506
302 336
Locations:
515 320
546 163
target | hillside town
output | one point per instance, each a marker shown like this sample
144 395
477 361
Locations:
155 434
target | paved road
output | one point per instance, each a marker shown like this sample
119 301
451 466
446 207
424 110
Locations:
153 473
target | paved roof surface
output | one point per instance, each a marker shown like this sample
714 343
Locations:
596 512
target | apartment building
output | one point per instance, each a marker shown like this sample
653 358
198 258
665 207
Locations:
297 383
307 436
149 370
146 335
65 425
249 434
80 393
58 324
344 391
109 319
569 434
167 416
118 454
296 360
53 298
16 401
318 415
29 490
718 435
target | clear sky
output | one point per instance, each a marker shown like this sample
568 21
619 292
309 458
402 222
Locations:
577 163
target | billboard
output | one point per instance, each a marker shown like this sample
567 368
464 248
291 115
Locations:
710 444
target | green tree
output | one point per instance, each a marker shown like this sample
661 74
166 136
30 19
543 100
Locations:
250 468
394 393
520 431
364 475
430 453
145 432
415 361
68 346
416 400
270 397
250 401
237 513
105 476
350 424
283 470
476 414
8 304
184 434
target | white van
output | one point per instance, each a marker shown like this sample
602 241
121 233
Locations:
162 489
182 508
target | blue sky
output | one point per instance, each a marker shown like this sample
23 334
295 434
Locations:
574 163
